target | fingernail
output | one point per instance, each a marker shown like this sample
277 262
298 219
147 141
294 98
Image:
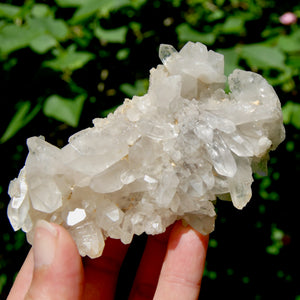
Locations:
44 244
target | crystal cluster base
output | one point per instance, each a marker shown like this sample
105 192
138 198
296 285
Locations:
164 156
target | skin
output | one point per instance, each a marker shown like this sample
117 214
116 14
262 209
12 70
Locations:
171 267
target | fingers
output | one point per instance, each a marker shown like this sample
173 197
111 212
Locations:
23 280
101 274
149 269
56 265
183 266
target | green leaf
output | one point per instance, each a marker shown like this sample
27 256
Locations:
186 33
40 10
277 236
63 109
70 3
290 146
233 25
291 114
101 7
57 28
3 280
19 120
294 61
290 43
215 15
43 43
284 78
139 88
117 35
69 60
2 24
260 56
13 37
231 59
105 113
123 53
8 11
137 3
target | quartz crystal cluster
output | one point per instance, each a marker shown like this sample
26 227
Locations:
160 157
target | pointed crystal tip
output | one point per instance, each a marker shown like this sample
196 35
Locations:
166 51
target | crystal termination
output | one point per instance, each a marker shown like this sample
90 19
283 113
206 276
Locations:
160 157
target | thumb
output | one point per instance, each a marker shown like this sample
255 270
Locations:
58 271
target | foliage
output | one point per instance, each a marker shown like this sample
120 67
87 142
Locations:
65 62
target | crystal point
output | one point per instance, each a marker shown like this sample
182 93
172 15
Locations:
166 51
158 158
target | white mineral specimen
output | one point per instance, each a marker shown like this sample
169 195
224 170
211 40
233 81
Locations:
161 157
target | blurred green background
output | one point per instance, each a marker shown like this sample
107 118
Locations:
66 62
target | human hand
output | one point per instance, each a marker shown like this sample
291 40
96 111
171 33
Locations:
171 267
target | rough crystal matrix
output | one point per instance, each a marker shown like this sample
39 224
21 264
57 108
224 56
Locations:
161 157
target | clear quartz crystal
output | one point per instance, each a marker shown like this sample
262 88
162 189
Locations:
158 158
166 51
